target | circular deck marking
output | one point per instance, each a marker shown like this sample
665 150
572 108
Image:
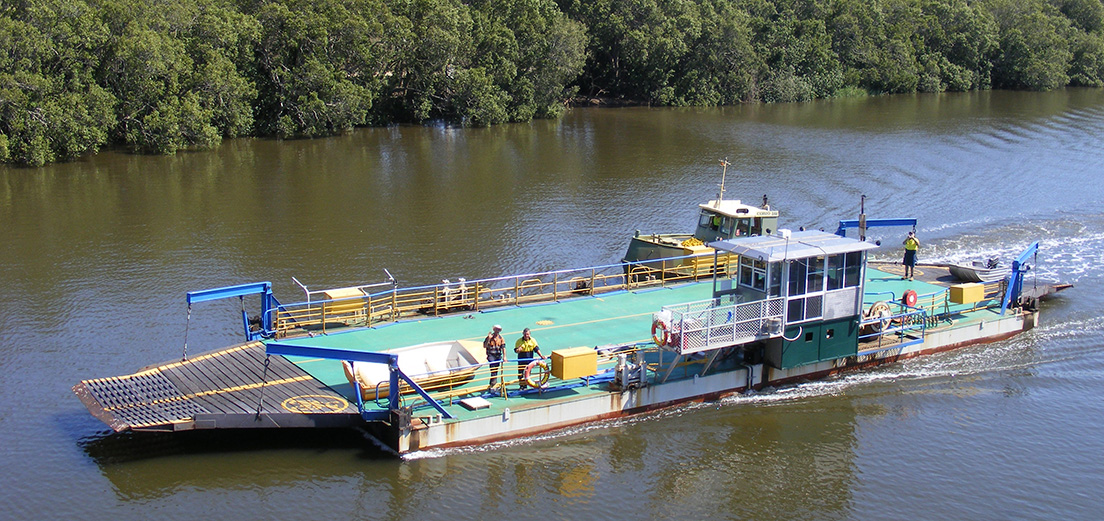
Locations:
545 322
314 403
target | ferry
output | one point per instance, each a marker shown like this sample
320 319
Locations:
767 309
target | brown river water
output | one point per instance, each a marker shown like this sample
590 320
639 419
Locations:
96 256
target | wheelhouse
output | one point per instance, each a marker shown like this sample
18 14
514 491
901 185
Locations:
818 277
721 220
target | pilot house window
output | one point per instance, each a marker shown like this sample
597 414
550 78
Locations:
812 278
753 273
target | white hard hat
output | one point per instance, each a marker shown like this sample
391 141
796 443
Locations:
498 327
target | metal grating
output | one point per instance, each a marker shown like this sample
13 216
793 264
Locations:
222 387
704 325
142 400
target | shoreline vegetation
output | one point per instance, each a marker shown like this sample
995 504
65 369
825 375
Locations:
158 76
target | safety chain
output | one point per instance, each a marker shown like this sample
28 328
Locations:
264 380
184 357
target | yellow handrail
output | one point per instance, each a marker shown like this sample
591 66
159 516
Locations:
434 300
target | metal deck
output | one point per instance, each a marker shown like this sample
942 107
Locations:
241 387
237 387
232 388
620 317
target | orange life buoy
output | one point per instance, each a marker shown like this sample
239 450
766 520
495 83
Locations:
542 379
909 299
659 333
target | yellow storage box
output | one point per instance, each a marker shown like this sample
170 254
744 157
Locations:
575 362
344 301
967 293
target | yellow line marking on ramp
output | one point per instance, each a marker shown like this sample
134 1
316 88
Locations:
212 392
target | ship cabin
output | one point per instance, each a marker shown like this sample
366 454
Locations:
793 298
721 220
816 277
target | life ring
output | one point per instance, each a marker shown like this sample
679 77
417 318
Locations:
909 299
659 333
542 378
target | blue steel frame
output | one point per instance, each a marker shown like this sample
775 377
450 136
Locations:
1015 285
264 289
872 223
391 360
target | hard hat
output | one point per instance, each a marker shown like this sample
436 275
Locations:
498 327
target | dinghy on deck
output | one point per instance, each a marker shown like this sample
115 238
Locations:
978 271
432 366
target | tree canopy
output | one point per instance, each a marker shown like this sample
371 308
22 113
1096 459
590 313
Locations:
157 76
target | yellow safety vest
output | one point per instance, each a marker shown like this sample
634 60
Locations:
523 346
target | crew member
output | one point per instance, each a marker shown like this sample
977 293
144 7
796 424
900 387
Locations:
495 346
525 347
912 245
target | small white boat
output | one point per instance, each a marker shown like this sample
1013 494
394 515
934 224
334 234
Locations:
978 271
433 365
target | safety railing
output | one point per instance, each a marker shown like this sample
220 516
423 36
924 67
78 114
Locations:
938 306
705 325
474 295
900 326
446 386
674 269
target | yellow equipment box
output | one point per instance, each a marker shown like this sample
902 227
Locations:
967 293
575 362
343 301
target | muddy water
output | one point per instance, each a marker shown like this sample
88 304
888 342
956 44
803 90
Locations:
97 256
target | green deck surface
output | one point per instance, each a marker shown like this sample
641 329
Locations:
883 285
614 318
622 317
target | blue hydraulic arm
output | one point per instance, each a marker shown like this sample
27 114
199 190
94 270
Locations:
1019 267
264 289
332 353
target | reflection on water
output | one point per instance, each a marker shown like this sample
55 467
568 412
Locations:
157 465
98 254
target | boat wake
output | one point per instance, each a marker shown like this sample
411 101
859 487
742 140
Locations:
1065 247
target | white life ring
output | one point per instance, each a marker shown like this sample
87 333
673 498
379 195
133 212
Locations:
542 378
659 333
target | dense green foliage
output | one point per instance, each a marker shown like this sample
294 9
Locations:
161 75
704 52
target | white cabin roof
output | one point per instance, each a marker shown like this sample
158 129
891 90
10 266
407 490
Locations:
799 245
734 208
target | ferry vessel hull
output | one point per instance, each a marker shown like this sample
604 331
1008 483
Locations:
432 433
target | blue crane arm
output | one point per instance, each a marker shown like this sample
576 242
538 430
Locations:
264 289
241 290
872 223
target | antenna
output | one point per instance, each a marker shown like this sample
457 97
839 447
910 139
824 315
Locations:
724 170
